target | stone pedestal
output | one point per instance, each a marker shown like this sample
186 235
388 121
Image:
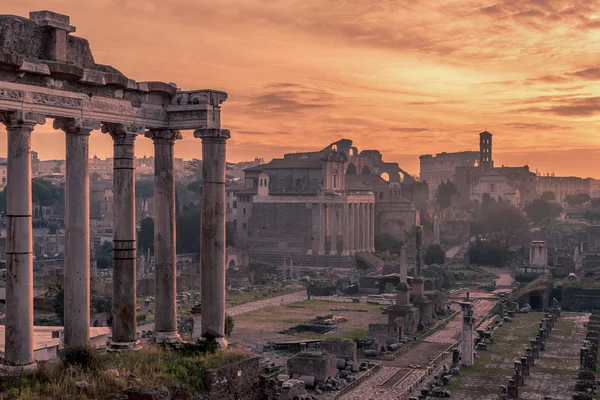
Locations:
77 232
19 345
165 263
409 314
525 366
124 332
196 322
518 374
213 232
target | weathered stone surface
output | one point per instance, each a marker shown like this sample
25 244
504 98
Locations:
148 393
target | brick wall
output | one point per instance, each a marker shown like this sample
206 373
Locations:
237 381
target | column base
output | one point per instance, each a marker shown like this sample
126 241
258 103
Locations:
16 370
372 250
222 342
124 346
309 252
167 337
345 253
333 253
321 253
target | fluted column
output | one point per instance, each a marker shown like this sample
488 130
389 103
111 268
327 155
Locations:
213 232
334 225
363 227
357 227
18 339
77 229
165 263
124 335
372 227
345 230
351 213
322 229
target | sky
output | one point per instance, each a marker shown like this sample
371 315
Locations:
406 77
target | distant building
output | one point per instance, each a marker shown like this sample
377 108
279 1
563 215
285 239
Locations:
442 167
563 186
495 184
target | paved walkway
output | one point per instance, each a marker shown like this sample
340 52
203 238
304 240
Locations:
252 306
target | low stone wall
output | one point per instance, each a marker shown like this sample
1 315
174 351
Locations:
304 260
237 381
357 382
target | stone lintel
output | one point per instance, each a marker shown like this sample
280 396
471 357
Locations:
10 61
92 77
156 86
77 126
34 67
212 133
52 19
9 118
163 134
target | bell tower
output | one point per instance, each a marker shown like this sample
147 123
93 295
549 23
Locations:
485 151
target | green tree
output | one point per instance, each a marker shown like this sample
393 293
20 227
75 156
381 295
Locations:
578 199
195 186
146 234
43 193
540 209
445 191
144 190
193 169
59 305
435 255
386 242
104 255
484 252
504 222
548 196
188 229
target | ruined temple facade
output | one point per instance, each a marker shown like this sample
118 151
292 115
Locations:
46 72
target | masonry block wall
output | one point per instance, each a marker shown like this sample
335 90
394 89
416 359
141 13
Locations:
280 227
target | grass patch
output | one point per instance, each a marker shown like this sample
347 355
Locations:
148 366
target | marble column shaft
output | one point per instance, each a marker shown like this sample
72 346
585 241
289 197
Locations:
372 227
333 218
77 229
350 233
345 230
213 232
357 228
365 227
165 256
124 333
322 229
18 341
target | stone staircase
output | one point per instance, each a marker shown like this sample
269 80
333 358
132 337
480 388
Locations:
369 260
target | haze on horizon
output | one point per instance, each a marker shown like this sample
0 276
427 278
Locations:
406 77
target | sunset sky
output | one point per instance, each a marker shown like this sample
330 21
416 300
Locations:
406 77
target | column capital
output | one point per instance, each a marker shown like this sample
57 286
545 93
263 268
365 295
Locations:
76 126
20 118
123 132
169 135
212 133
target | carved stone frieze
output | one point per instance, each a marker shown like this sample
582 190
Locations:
11 94
208 133
150 113
104 106
212 97
188 115
163 134
76 126
54 100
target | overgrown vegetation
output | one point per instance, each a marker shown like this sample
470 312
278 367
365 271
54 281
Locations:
386 242
435 255
109 374
540 210
484 252
444 193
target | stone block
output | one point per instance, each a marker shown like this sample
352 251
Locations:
321 365
341 349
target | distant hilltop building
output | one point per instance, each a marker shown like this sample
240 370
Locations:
474 175
563 186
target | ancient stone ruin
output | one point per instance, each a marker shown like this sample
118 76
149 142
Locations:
45 72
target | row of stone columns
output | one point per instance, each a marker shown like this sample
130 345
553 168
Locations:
19 343
357 222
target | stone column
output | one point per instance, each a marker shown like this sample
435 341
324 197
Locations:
322 229
436 229
345 230
372 227
403 264
365 223
334 224
467 334
165 263
351 212
357 228
213 232
77 232
18 352
124 330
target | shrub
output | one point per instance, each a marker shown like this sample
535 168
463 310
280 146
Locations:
200 348
435 255
229 324
85 357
